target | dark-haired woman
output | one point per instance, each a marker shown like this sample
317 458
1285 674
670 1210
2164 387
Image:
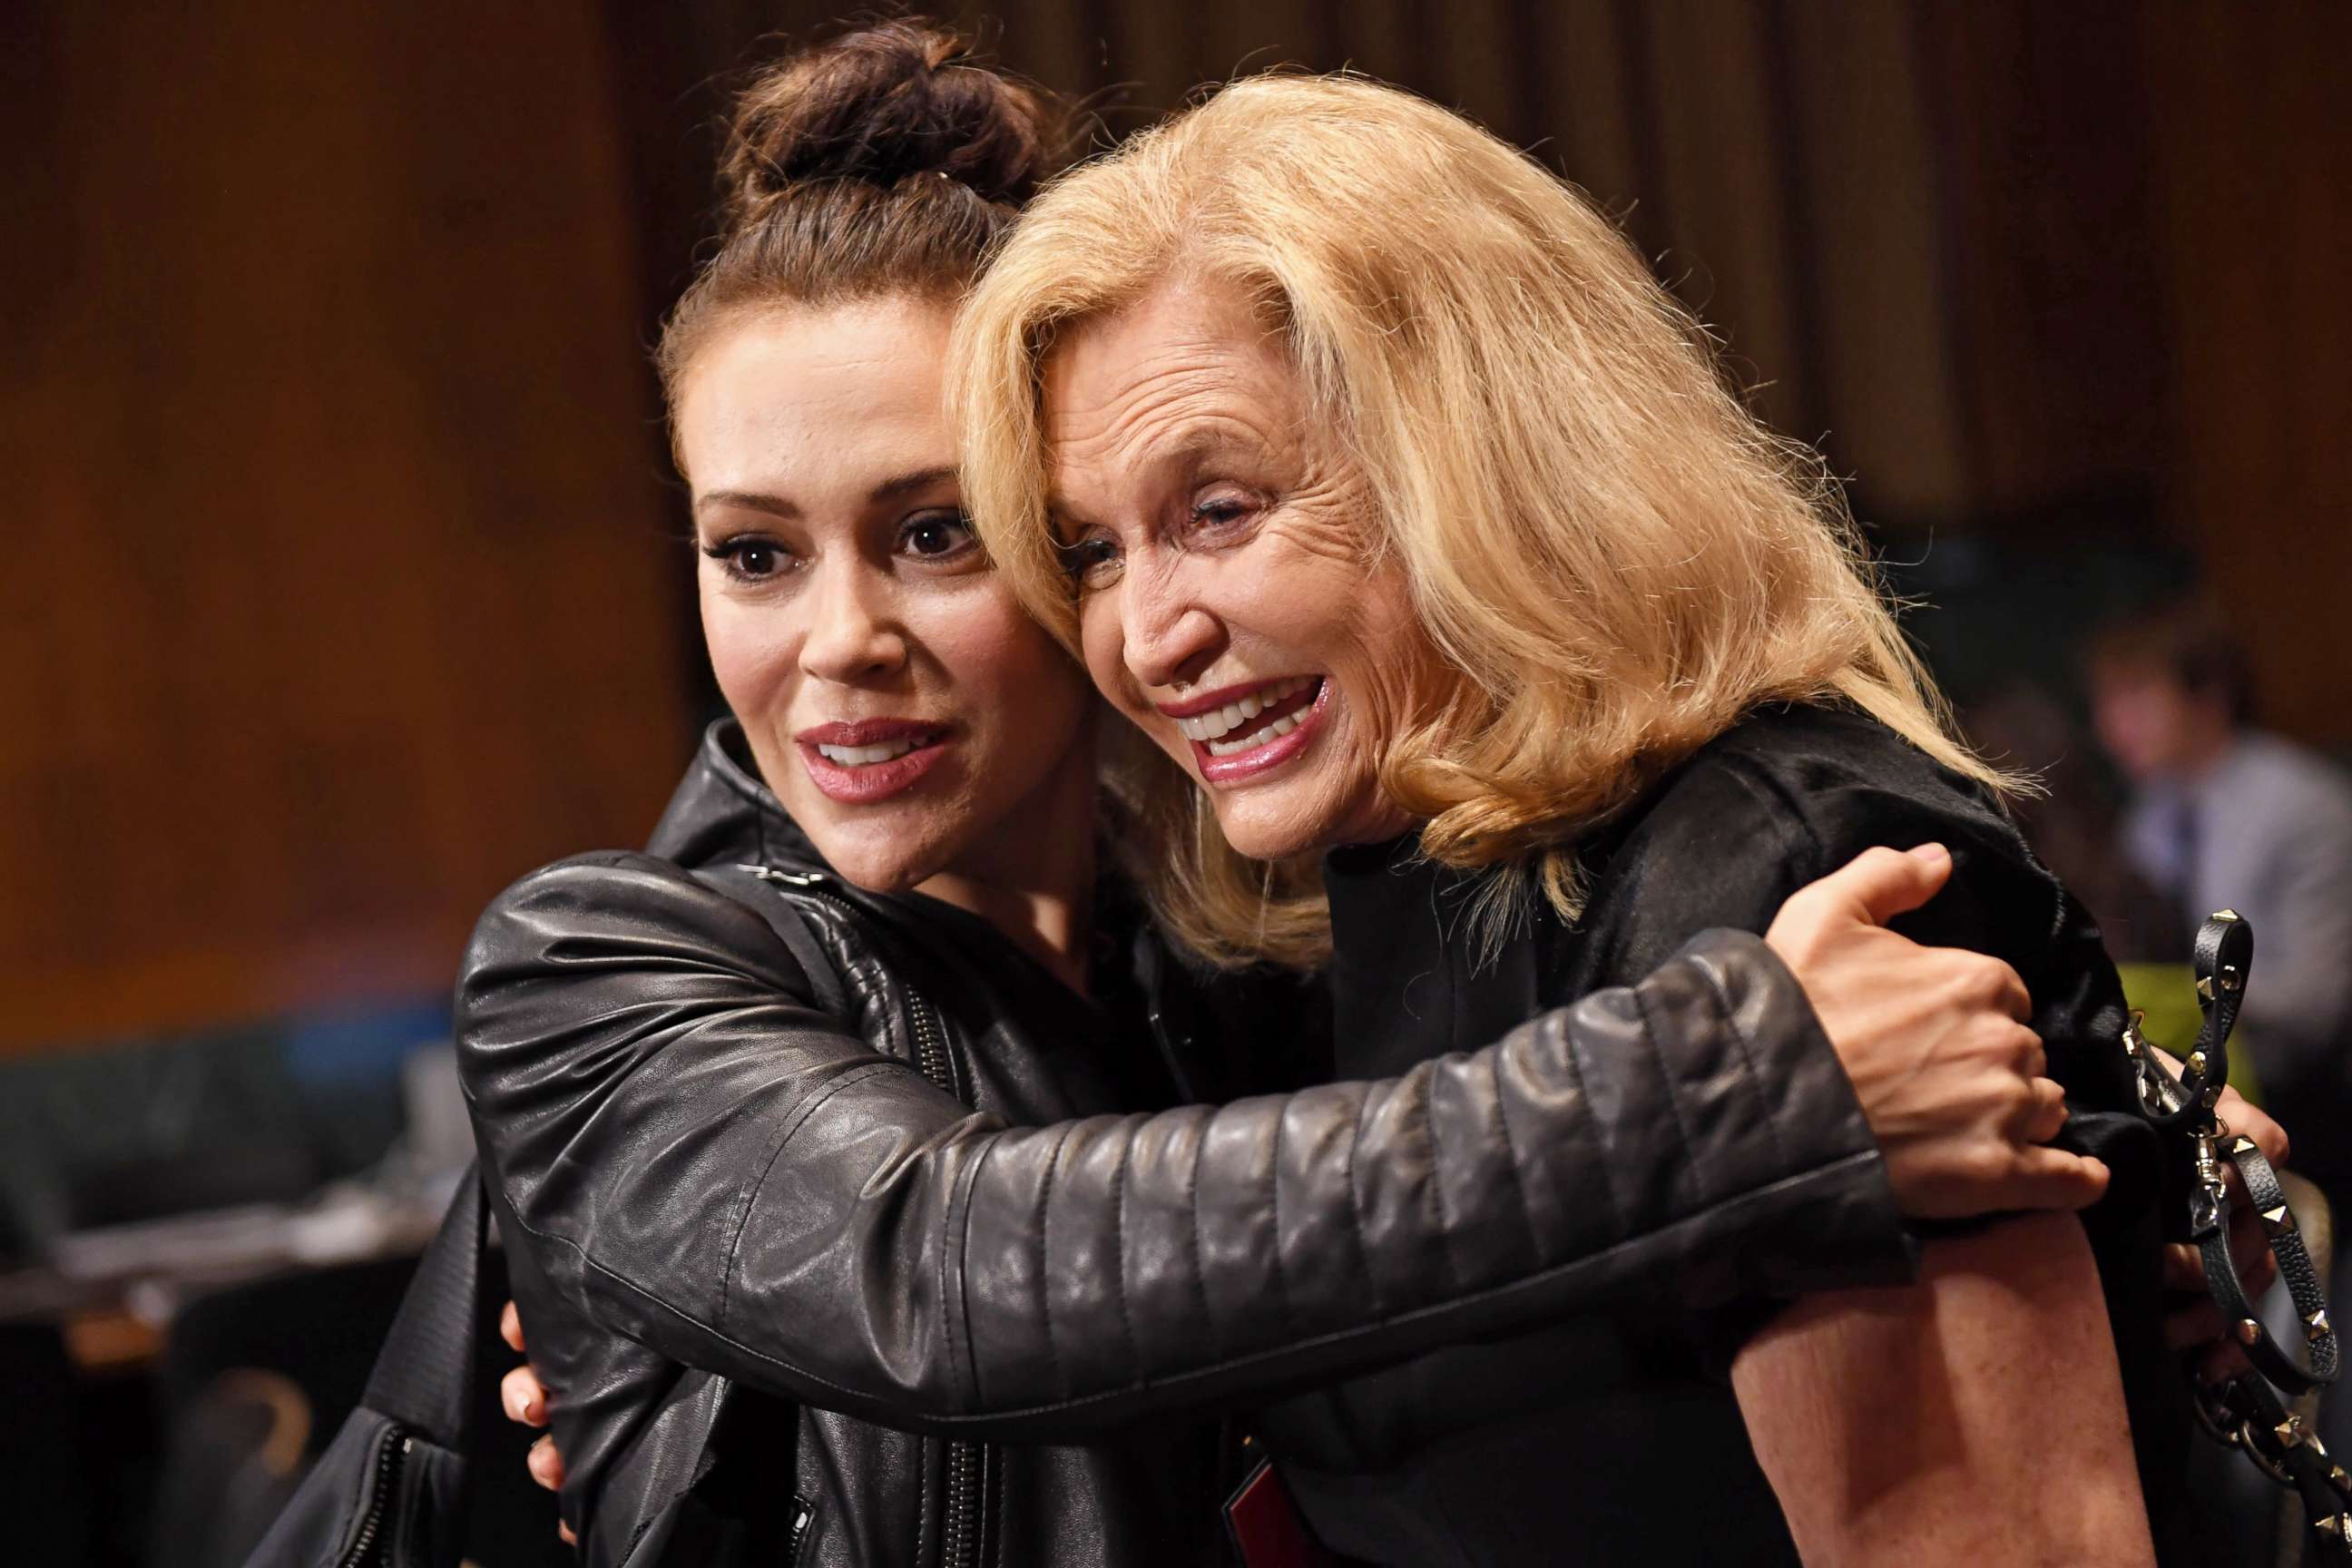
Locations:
847 1215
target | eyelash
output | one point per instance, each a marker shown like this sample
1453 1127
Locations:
955 519
730 554
1233 508
1087 563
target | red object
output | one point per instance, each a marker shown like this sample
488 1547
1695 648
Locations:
1267 1529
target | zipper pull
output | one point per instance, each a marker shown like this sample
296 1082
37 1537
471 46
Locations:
793 878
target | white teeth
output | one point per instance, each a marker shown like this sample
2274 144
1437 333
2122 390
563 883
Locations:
1211 728
866 756
1264 737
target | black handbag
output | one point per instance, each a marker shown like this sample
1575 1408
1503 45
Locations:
390 1489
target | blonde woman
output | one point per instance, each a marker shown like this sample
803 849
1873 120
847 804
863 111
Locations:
1378 483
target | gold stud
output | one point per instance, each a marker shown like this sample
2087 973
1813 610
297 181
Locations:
2205 986
2317 1324
2248 1331
2196 1063
2228 915
2245 1145
2289 1431
2335 1473
2331 1527
2278 1221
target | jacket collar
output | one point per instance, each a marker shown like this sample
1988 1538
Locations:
722 813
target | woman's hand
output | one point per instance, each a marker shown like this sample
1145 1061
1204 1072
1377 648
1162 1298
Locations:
1935 1042
526 1401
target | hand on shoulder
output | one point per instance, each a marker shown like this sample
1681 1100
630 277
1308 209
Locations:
1954 1085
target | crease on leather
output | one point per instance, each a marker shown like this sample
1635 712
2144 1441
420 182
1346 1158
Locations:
1356 1207
1704 964
1651 1034
1119 1240
816 1101
1427 1084
1274 1210
1044 1212
953 1281
1575 1063
1193 1215
1511 1152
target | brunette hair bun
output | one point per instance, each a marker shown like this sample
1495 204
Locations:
882 105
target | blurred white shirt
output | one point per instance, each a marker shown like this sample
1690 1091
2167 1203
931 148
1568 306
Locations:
2267 831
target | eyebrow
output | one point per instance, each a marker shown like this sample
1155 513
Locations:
777 505
1204 441
750 500
921 479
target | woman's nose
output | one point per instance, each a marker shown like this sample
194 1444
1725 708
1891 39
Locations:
1170 636
851 635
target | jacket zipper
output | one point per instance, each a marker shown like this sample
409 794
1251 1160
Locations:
960 1541
960 1545
389 1458
959 1533
960 1537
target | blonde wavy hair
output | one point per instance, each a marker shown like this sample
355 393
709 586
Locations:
1618 558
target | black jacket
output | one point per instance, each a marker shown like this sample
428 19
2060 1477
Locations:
751 1132
1606 1427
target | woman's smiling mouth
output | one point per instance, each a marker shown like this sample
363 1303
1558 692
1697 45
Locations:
871 759
1240 732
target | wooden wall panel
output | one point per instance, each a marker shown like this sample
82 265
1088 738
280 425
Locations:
347 583
2254 143
1722 180
2041 121
1868 262
346 598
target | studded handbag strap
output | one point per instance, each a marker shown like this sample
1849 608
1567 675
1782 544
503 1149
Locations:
2247 1412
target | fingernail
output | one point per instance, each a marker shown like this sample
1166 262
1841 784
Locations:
533 1409
1932 853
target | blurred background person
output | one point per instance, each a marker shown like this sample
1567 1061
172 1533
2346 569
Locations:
2224 814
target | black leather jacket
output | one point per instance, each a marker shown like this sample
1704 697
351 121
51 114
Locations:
754 1136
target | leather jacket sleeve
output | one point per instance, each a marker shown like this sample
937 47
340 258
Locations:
722 1171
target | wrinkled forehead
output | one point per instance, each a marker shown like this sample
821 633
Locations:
1188 373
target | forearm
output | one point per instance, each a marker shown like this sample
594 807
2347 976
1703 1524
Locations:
1687 1143
718 1170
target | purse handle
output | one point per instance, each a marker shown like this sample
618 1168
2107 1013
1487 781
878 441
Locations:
2246 1411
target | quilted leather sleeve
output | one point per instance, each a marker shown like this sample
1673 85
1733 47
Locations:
719 1169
